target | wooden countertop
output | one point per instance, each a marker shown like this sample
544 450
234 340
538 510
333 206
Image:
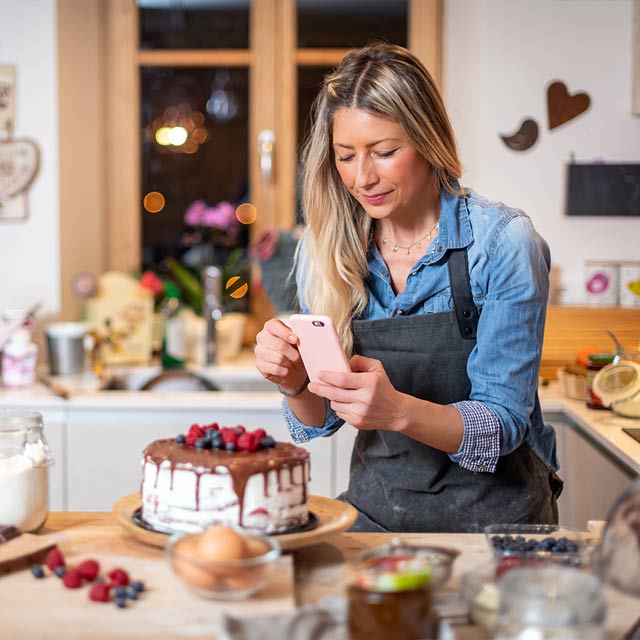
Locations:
31 608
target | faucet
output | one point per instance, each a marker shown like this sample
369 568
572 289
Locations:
212 285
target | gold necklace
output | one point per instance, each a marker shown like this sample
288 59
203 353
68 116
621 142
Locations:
416 243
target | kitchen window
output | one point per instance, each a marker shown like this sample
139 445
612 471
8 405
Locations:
232 81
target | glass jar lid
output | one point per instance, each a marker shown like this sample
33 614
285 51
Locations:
616 382
21 434
20 420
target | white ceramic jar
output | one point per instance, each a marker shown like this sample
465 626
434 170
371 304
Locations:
24 459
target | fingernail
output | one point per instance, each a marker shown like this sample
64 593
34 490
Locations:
291 339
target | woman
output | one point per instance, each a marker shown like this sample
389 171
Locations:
439 294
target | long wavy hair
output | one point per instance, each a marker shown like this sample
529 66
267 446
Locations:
388 81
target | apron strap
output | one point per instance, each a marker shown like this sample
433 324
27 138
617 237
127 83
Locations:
466 311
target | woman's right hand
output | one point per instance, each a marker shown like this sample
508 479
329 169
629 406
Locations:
277 356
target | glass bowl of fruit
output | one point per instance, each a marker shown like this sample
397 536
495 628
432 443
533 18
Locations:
517 545
402 561
223 562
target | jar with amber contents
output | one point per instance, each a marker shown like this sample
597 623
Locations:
389 595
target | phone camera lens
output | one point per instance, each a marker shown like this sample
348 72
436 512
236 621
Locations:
318 323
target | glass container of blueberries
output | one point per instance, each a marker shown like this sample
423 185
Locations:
519 545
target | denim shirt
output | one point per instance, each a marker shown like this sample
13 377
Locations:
509 274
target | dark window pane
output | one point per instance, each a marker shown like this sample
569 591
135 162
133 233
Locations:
309 81
204 112
209 25
351 23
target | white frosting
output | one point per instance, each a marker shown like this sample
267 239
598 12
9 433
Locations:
24 493
179 504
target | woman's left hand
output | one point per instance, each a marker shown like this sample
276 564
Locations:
365 398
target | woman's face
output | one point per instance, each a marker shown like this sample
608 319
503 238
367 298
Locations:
379 165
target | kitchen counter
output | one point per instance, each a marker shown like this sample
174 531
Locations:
604 428
44 609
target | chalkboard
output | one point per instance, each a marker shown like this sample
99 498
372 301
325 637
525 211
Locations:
603 190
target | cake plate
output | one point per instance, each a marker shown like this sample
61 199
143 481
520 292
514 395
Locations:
333 516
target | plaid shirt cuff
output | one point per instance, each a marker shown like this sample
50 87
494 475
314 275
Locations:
480 446
300 433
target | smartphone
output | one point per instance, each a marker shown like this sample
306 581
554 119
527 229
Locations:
319 344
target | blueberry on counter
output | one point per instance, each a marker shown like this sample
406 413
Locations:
132 594
138 586
37 571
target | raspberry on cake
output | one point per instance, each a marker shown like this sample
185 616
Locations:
224 475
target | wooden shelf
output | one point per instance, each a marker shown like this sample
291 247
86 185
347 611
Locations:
569 329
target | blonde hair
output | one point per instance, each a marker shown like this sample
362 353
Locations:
389 81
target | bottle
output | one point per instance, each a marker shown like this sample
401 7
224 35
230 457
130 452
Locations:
19 360
174 343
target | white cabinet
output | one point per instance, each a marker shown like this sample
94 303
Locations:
55 433
593 479
105 447
97 443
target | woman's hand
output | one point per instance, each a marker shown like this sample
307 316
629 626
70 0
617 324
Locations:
365 398
277 356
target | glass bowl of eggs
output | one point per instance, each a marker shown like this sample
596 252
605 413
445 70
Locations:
223 562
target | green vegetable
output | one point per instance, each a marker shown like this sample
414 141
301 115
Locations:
391 581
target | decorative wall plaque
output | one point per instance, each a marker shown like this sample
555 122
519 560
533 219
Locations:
562 106
7 98
19 157
524 138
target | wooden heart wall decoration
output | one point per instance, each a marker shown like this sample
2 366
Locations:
563 107
19 160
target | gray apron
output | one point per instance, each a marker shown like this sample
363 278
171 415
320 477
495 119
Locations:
399 484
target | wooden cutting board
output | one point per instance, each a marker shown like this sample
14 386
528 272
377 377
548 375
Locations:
26 545
45 609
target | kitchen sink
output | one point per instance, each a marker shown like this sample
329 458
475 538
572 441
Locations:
154 379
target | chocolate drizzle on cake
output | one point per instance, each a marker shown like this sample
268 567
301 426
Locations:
241 465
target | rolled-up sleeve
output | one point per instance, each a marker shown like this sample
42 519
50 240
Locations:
504 365
302 433
480 446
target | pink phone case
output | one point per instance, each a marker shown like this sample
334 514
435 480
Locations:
319 344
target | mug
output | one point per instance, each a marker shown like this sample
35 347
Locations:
66 347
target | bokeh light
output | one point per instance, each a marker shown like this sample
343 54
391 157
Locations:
178 136
179 129
246 213
154 202
162 136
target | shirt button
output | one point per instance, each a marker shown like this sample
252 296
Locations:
467 330
466 314
440 249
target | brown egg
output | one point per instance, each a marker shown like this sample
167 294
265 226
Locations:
219 543
189 564
246 577
256 547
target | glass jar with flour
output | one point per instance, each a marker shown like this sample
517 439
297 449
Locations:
24 459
